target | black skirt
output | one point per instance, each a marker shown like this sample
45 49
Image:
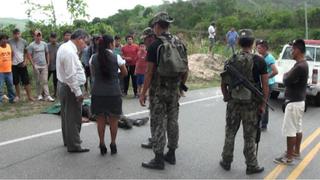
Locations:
106 105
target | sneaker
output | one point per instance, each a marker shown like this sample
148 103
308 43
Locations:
296 156
49 98
283 160
15 100
40 98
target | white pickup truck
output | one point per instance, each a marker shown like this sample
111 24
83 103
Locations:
285 63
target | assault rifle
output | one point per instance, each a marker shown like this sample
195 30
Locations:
246 83
240 79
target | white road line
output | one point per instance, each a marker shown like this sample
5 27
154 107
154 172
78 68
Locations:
87 124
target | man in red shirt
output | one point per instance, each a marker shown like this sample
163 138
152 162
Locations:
130 53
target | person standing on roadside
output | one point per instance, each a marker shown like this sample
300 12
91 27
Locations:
71 76
19 64
106 102
262 48
231 38
53 49
6 69
212 35
39 55
148 37
129 53
242 104
164 90
295 82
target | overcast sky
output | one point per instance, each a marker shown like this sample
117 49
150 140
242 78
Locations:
96 8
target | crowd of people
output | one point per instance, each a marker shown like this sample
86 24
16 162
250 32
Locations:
158 68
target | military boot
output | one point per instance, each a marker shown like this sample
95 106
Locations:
148 144
170 156
156 163
225 165
253 170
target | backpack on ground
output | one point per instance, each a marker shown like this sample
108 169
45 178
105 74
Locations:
172 57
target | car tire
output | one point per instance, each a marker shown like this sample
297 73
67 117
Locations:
317 100
274 94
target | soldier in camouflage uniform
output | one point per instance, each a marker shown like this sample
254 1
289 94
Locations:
148 38
240 108
164 97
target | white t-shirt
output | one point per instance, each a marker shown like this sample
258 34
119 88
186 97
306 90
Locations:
212 32
120 60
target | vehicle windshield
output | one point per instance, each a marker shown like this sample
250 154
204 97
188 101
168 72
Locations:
309 53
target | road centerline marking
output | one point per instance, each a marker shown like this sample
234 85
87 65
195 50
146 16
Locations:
279 168
91 123
304 163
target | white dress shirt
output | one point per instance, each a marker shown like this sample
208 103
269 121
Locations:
69 67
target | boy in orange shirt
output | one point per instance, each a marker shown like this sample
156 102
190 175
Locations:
5 68
141 66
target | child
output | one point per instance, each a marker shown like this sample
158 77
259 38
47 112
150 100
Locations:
141 66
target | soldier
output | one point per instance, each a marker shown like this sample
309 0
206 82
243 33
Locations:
164 93
148 38
242 104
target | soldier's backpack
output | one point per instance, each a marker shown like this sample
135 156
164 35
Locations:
243 62
172 57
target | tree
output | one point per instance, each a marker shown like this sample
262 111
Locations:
77 9
47 9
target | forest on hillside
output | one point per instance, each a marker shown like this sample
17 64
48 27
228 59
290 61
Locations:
278 21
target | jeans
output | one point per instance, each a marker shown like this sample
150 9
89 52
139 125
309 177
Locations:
7 78
265 115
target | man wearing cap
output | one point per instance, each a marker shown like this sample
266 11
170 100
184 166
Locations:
39 55
262 48
295 82
19 64
164 99
148 38
53 49
242 105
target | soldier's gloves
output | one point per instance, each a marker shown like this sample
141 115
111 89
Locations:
226 98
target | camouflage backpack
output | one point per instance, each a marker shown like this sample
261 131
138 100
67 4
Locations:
171 57
243 62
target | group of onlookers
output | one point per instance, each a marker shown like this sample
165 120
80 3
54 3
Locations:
16 53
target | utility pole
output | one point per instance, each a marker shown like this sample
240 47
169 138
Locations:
306 19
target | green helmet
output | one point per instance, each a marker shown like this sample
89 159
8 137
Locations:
161 17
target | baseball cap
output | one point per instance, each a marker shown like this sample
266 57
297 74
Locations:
246 33
37 32
161 16
146 32
262 42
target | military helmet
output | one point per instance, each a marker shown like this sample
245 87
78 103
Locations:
146 32
246 34
161 17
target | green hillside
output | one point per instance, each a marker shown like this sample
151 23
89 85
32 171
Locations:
20 23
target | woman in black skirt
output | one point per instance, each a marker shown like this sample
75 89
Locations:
106 102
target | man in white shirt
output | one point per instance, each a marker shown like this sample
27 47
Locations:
212 35
71 76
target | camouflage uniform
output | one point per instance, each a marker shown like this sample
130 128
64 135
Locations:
164 111
247 112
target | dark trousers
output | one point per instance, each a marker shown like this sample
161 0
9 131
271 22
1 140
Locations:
54 79
131 69
70 117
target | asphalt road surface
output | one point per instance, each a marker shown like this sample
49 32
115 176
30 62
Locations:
31 147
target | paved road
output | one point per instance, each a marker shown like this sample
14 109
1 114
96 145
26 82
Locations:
31 147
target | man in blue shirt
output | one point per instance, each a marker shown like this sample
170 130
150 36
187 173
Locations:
262 48
232 37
